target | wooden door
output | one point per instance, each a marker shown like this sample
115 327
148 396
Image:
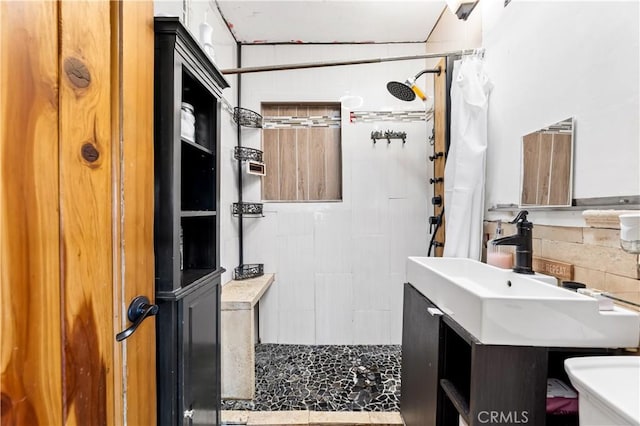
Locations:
76 212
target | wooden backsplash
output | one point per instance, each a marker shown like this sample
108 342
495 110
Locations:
595 253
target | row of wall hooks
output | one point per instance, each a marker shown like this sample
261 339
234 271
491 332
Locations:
388 135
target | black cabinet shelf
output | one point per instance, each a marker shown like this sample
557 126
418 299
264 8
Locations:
186 227
197 213
190 276
459 401
196 146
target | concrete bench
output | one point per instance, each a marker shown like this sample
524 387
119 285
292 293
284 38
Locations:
239 335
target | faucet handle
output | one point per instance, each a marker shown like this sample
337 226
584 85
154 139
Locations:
521 217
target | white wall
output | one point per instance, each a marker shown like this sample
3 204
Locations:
553 60
225 57
340 266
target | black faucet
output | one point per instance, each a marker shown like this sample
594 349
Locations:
523 242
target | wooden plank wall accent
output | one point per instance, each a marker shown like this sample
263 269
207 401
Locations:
334 164
559 194
303 164
317 150
530 152
544 163
440 128
135 248
86 225
546 169
30 323
271 149
287 157
303 141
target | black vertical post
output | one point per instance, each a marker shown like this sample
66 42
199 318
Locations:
239 129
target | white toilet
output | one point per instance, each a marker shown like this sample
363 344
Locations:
609 389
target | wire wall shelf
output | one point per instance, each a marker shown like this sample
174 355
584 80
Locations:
244 154
388 135
247 118
247 209
244 272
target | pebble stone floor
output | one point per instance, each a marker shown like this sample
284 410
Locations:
324 378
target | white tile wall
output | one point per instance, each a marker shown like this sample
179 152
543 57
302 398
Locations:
371 327
296 326
295 274
371 272
333 242
340 266
269 324
396 291
334 309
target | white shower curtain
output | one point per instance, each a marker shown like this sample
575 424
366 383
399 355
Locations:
464 173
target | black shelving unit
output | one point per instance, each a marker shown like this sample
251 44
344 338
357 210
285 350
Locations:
242 209
187 229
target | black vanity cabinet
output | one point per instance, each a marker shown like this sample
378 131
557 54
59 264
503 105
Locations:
447 373
420 359
187 228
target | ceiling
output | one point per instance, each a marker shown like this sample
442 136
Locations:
330 21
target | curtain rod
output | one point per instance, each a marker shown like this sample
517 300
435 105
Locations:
353 62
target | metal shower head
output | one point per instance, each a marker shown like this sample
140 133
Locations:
401 91
408 90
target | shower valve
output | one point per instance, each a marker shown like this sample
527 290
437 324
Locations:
437 200
436 180
433 221
436 155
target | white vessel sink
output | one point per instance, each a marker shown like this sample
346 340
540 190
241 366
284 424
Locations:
501 307
609 389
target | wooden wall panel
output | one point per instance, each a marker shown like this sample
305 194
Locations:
288 157
544 172
440 129
86 225
317 155
560 170
30 325
530 153
305 163
546 176
271 157
334 164
303 160
134 250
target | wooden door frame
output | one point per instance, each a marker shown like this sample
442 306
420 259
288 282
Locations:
134 163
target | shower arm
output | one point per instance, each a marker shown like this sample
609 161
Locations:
284 67
427 71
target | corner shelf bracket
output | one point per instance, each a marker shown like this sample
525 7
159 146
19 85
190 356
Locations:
247 209
247 154
246 271
247 118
